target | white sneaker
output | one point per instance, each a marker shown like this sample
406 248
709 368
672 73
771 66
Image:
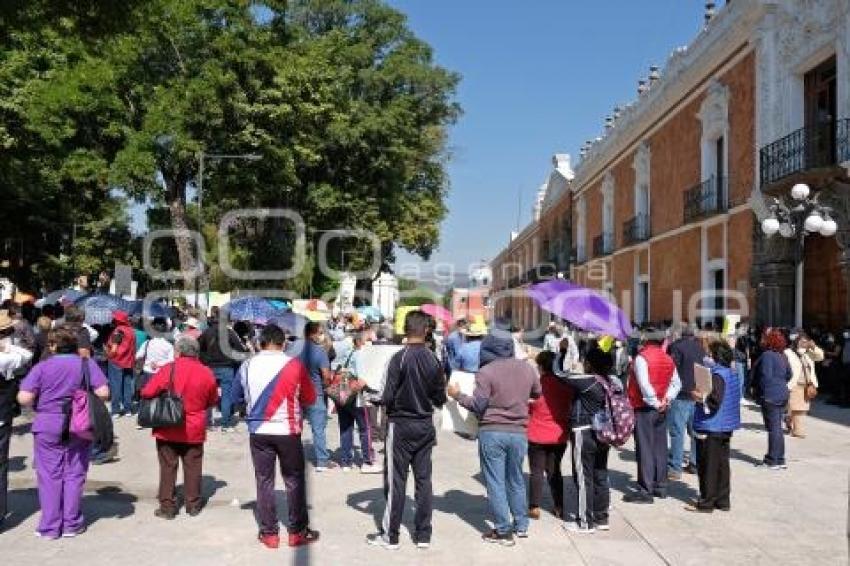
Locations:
346 469
322 469
423 545
382 541
578 529
371 469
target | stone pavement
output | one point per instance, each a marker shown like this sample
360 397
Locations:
798 516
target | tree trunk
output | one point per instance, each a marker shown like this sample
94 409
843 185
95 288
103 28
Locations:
182 238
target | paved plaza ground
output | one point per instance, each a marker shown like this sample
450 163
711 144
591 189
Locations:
798 516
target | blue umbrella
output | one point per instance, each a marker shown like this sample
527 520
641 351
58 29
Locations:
111 303
252 309
58 296
370 312
280 304
150 309
292 323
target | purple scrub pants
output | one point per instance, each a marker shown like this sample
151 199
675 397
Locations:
61 473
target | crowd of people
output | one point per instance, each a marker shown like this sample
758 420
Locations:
583 392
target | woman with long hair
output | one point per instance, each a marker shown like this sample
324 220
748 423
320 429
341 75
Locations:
802 354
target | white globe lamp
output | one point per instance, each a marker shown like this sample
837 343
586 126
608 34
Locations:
814 222
770 226
828 228
800 191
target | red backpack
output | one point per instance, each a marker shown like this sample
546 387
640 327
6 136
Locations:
615 423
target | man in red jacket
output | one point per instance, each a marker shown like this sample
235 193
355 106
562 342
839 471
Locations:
121 353
195 384
653 383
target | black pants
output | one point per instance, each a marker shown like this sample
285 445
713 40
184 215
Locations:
5 438
8 410
773 416
651 447
266 451
544 460
377 422
713 469
590 475
409 445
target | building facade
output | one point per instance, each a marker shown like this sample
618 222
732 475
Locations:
665 207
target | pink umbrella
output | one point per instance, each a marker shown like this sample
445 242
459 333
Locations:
438 312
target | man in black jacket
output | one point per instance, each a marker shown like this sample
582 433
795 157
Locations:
686 351
415 385
223 361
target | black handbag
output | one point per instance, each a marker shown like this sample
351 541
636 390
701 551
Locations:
164 410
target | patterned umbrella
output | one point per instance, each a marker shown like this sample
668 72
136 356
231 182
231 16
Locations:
252 309
583 307
111 303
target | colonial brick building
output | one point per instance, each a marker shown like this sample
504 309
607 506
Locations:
664 209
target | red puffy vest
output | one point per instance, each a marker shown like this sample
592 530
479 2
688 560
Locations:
661 368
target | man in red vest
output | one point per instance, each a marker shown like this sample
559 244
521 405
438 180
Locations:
653 383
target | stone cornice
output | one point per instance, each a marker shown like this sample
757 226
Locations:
686 68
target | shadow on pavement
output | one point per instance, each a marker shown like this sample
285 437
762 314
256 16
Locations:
106 503
825 411
472 509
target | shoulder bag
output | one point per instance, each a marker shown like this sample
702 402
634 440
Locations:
165 410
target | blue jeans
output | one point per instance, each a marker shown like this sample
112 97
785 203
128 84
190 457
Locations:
348 417
224 376
773 415
679 418
502 455
120 389
317 416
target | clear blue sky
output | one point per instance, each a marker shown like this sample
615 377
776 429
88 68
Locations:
538 78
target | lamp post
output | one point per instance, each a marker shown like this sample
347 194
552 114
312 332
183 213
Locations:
202 157
796 218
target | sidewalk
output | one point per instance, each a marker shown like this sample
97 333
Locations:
798 516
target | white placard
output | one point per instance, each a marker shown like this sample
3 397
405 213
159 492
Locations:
454 417
373 364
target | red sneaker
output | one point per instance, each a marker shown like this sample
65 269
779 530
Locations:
306 536
271 540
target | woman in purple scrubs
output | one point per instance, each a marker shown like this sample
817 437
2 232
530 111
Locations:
61 466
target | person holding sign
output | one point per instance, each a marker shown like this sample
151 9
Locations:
717 415
503 387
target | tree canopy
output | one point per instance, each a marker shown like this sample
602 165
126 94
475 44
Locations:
107 101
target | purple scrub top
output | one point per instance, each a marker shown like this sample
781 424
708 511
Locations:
53 381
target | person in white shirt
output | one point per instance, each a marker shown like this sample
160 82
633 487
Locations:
156 352
12 359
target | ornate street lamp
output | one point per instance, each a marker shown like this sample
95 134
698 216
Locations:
795 218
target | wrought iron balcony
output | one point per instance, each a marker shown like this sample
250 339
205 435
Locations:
541 272
814 147
706 199
636 229
603 244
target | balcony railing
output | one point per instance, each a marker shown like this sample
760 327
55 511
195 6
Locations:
635 229
823 145
706 199
603 244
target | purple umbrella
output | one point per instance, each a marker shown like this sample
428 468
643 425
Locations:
582 307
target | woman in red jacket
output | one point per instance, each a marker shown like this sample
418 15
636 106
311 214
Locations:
195 384
548 434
